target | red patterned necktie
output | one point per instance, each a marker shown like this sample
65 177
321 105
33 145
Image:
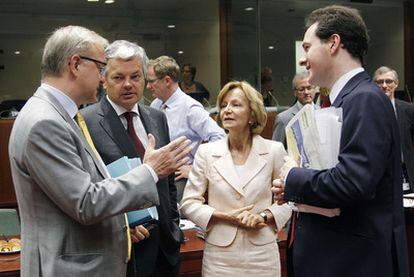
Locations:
133 135
326 102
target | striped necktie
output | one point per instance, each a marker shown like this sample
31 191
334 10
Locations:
82 125
133 135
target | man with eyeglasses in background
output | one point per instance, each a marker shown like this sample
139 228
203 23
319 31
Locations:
72 212
185 116
387 79
304 94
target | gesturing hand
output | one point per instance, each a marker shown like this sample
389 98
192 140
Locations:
168 158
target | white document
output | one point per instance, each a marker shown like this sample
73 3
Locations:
313 138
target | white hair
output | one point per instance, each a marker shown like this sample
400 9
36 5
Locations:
64 43
125 50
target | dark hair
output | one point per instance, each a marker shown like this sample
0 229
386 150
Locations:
345 22
193 70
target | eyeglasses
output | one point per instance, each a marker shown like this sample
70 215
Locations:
302 89
100 65
386 81
152 81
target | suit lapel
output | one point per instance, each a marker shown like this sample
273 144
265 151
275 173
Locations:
150 125
350 86
255 162
45 95
225 167
114 128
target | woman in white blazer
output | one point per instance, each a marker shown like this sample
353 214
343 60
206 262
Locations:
236 173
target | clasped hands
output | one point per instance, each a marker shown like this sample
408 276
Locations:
242 217
278 188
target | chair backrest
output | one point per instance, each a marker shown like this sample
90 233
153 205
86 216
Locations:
17 104
9 222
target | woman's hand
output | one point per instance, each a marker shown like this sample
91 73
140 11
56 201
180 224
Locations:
229 217
242 217
250 220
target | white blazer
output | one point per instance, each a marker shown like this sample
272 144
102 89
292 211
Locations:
214 172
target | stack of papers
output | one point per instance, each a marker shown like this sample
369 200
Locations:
120 167
313 138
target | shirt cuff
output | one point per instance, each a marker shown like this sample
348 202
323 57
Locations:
153 174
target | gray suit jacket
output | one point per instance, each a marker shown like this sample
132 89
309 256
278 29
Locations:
113 142
281 121
72 221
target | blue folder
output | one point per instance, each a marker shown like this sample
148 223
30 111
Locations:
121 167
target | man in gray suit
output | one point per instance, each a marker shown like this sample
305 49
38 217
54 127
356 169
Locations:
304 94
71 211
155 252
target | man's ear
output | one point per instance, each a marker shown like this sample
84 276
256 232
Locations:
74 64
335 42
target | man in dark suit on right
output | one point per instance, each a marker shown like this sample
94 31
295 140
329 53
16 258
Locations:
368 237
119 127
387 79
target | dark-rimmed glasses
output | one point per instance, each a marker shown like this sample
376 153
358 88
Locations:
100 65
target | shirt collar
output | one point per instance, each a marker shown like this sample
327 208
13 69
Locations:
121 110
67 103
341 82
170 101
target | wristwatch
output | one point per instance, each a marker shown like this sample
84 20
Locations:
264 215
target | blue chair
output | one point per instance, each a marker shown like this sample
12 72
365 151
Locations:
10 223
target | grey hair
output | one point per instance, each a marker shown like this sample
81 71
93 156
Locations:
125 50
164 66
63 44
298 76
385 69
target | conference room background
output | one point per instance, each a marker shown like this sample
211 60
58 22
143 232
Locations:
224 39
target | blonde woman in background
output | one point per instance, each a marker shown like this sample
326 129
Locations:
236 173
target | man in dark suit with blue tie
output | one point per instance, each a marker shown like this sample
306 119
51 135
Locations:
368 237
119 127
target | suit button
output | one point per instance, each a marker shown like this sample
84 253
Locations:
238 197
125 228
126 260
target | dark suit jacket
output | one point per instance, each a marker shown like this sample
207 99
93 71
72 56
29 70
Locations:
368 238
112 142
405 117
